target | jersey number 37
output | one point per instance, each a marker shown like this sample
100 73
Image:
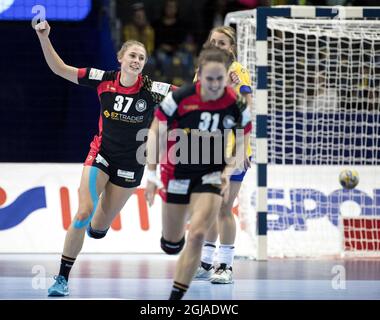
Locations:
119 103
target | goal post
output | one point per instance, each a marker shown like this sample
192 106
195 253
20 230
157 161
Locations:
316 79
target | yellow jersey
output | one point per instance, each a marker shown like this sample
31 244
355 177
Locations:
244 86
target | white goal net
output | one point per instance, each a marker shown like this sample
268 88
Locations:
323 116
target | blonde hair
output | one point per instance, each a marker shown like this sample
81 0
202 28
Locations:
128 44
229 32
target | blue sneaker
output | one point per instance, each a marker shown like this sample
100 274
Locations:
59 288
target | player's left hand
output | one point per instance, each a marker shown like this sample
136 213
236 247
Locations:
247 163
150 192
234 78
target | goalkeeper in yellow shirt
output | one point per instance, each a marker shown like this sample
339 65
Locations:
225 38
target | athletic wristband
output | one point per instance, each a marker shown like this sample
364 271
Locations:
152 177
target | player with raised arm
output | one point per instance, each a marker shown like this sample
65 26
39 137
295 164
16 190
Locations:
111 170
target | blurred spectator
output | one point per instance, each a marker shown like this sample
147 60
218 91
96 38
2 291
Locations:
287 2
173 45
139 28
249 4
319 96
213 14
327 2
220 10
363 3
214 11
169 29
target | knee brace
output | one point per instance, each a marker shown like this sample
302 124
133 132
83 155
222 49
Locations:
172 247
96 234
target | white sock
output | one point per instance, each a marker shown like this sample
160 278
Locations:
208 251
226 254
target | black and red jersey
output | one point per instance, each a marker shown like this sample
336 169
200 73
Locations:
124 111
185 110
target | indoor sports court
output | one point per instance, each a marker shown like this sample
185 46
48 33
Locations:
149 277
308 212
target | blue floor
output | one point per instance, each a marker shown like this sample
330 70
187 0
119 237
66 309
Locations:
149 277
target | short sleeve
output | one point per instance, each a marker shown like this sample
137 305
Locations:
92 77
245 80
245 85
158 90
166 110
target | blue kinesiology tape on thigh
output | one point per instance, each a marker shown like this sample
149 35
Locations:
78 224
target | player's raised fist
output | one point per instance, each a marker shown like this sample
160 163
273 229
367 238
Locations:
42 29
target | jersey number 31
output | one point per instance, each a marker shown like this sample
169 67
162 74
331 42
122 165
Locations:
209 121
